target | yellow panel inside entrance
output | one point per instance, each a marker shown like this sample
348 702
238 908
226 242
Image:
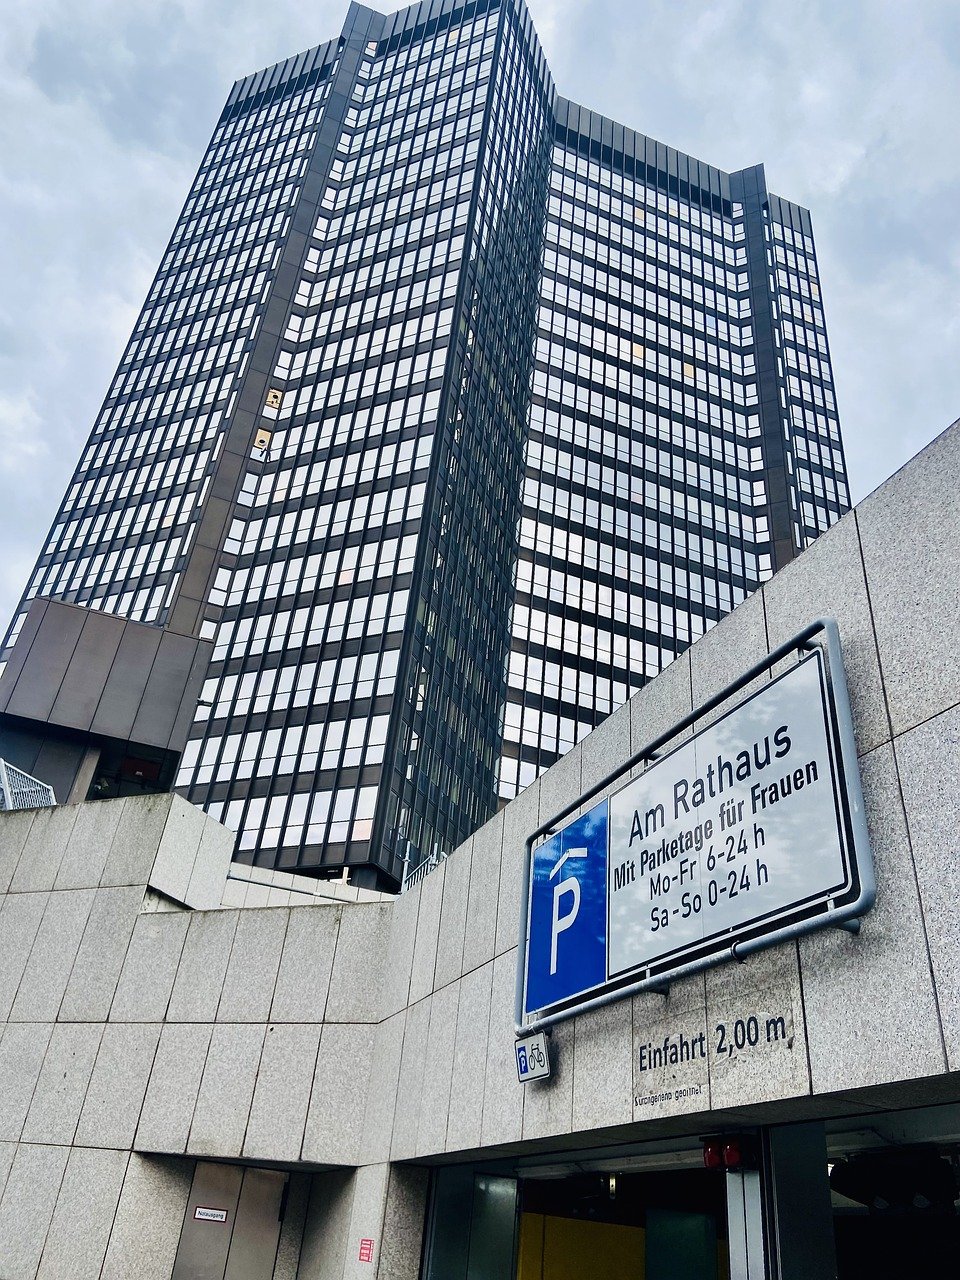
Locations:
574 1249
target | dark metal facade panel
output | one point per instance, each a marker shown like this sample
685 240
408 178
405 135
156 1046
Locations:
278 78
45 666
164 689
790 213
18 656
750 187
20 745
628 145
188 609
122 693
91 673
183 720
89 669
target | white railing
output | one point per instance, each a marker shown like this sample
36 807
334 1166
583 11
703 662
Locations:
421 870
19 791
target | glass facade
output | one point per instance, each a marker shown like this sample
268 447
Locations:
454 413
819 480
647 504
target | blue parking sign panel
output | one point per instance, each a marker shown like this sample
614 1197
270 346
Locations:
567 926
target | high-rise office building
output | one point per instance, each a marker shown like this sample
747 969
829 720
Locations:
454 413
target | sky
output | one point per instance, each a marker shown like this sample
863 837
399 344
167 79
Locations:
106 107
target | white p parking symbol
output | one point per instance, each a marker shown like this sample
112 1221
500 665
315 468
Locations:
571 886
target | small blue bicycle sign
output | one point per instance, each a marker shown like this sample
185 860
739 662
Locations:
533 1058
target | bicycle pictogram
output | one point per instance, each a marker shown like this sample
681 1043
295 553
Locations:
531 1058
537 1059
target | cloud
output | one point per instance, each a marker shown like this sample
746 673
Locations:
21 444
106 107
851 107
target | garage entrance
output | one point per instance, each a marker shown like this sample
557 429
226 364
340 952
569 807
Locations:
623 1226
600 1218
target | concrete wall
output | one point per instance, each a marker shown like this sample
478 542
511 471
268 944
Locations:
346 1037
133 1025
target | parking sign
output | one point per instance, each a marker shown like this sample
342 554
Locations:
533 1058
746 833
567 926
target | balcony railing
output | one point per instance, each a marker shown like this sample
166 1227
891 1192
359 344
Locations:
412 878
19 791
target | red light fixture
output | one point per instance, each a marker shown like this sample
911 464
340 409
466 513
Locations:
732 1152
713 1153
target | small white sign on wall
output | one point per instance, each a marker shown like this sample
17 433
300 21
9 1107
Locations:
533 1058
205 1214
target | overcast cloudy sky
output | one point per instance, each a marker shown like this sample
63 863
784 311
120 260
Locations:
106 107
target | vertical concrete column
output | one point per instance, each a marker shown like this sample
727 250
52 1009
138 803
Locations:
404 1213
85 771
365 1225
801 1217
749 186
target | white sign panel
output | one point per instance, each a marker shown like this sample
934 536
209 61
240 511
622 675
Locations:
736 827
205 1214
533 1058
